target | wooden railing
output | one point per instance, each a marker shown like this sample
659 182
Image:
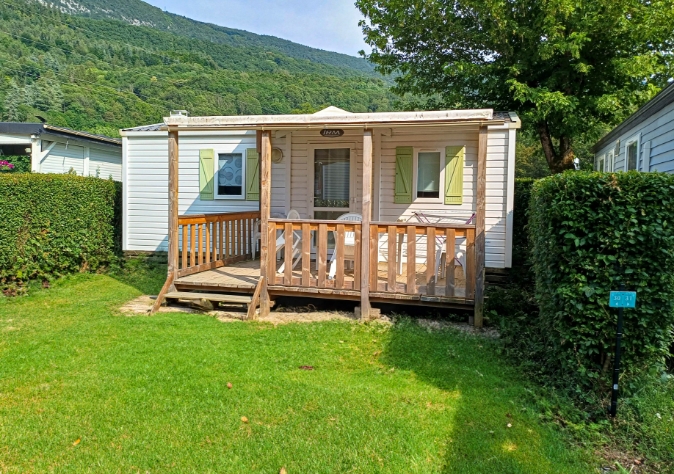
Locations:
209 241
292 263
411 252
400 260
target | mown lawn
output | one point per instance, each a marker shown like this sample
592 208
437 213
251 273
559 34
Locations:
85 389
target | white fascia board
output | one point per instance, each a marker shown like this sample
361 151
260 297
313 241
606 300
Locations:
319 120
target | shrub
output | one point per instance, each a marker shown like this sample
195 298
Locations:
590 232
522 273
51 225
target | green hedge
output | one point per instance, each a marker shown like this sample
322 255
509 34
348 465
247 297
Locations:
589 233
522 273
52 225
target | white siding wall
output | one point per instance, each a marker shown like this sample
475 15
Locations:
439 138
146 195
62 158
146 189
71 154
656 139
301 181
426 138
105 163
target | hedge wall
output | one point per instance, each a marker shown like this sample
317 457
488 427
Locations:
522 273
589 233
51 225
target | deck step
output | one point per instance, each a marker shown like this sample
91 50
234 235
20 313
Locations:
213 297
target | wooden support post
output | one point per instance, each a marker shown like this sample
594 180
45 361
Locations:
365 232
173 253
480 226
264 138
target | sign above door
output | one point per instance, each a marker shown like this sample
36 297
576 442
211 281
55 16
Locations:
332 132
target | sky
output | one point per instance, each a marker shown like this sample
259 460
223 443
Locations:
325 24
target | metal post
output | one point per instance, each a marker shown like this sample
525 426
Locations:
616 362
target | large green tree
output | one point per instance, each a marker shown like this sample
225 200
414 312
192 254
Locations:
567 66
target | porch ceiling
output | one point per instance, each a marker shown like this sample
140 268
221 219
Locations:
323 120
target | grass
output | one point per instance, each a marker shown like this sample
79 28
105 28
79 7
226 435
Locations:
85 389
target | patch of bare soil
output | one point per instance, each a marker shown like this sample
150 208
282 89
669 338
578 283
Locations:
305 314
435 325
615 459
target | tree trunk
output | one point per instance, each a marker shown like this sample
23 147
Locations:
558 160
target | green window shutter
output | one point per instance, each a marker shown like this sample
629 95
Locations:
252 175
454 158
403 183
206 175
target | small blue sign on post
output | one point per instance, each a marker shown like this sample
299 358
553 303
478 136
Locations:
623 299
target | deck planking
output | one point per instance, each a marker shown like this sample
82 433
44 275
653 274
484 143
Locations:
244 276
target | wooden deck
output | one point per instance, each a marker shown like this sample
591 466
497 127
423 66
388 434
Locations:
242 277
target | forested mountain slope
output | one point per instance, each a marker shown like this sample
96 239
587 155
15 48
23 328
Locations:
101 74
137 12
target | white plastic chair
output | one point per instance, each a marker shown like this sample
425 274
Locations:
349 243
440 243
297 241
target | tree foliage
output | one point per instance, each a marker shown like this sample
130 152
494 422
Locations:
567 66
101 75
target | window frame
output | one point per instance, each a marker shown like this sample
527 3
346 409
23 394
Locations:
601 163
415 172
609 161
637 140
238 150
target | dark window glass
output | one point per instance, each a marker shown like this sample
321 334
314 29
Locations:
230 174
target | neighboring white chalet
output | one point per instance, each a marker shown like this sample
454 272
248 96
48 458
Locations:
643 142
61 150
446 177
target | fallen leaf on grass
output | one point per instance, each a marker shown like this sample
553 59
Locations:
77 441
229 385
306 367
244 419
283 471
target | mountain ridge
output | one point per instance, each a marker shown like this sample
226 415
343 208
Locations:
139 13
101 75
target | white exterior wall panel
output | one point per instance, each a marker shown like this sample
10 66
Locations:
146 164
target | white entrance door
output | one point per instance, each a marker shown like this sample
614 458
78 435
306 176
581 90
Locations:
333 185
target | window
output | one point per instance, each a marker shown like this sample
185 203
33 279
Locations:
632 154
332 177
608 165
230 175
428 175
600 163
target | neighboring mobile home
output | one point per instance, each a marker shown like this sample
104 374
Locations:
61 150
405 182
643 142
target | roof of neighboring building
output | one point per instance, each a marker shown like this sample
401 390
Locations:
656 104
17 128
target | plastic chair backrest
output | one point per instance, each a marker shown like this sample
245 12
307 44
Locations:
350 237
294 215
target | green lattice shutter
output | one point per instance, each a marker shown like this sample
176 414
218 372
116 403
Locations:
454 158
403 183
206 172
252 175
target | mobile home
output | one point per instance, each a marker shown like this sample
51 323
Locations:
55 149
406 207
